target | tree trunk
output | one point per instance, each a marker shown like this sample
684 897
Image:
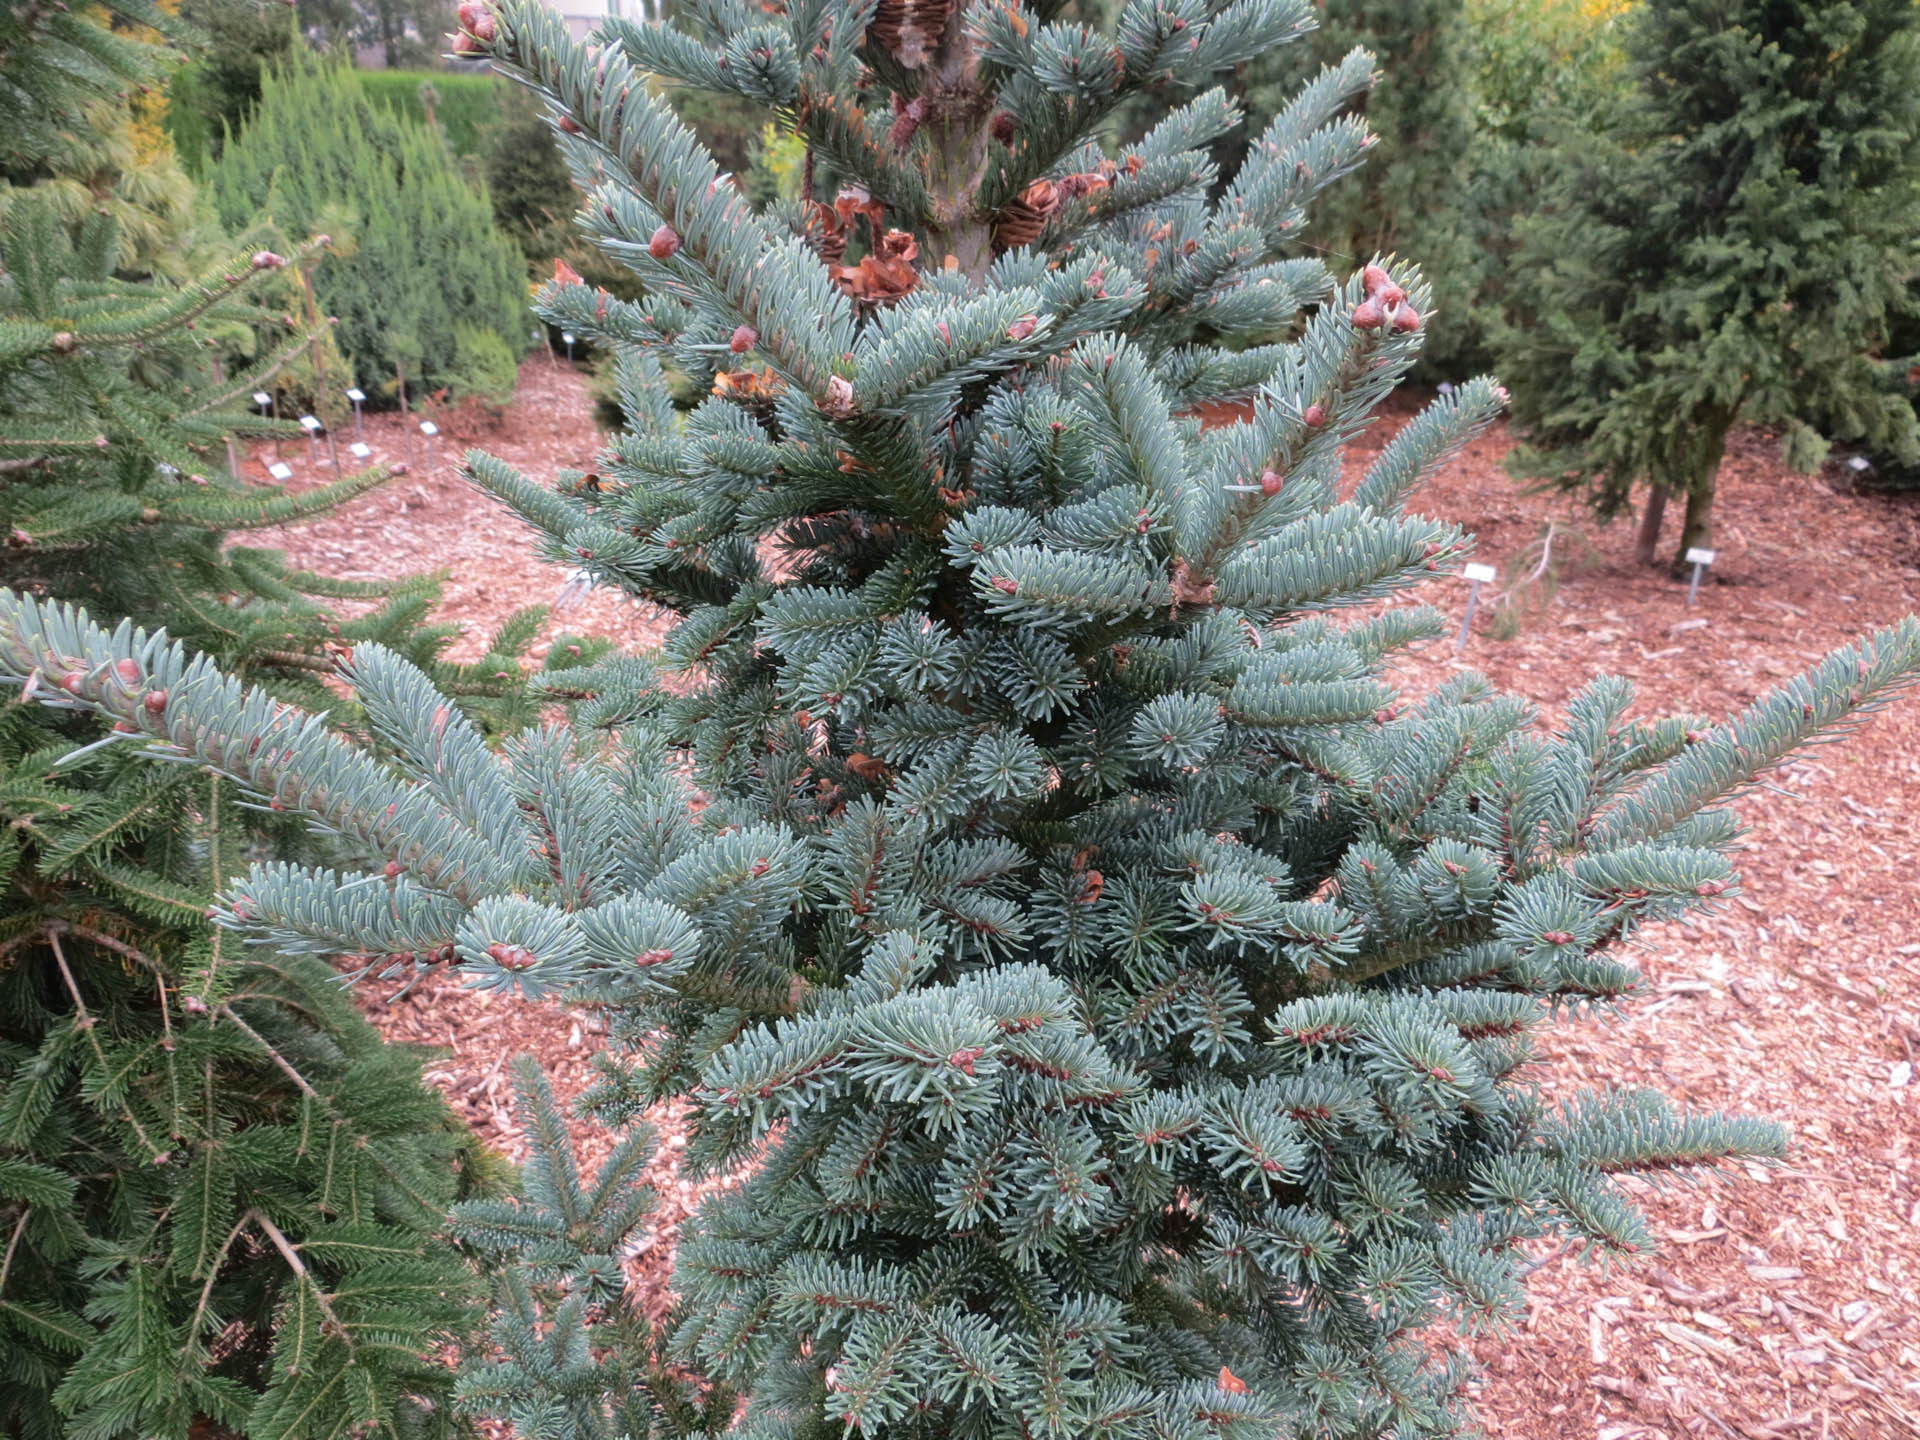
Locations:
958 157
1706 447
1646 546
1697 530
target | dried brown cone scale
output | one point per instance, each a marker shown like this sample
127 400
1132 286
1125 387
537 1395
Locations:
826 234
1022 219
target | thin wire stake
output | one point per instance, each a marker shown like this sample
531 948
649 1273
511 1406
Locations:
1476 576
1699 559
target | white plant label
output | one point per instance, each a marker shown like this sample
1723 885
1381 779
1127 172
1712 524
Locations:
356 394
427 427
1700 557
1480 574
280 472
262 399
359 451
566 337
311 424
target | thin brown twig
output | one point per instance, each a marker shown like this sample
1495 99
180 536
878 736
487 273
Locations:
213 1273
109 942
299 1268
226 1012
86 1023
13 1243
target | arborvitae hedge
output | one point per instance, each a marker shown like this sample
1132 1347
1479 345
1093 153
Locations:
464 107
432 289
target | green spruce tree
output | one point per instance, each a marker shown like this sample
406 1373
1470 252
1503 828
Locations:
219 1190
433 294
1115 1001
1736 251
218 1187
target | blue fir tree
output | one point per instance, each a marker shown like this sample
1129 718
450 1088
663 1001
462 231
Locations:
1112 1001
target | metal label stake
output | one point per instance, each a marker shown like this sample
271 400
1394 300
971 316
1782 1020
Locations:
1475 576
359 398
265 401
429 429
1699 560
311 424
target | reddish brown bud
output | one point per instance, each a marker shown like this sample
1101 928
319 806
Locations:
665 243
1315 415
569 125
1023 327
744 339
1369 315
1374 279
839 398
155 702
653 957
128 670
1556 937
1406 318
476 19
1005 584
1003 128
1271 482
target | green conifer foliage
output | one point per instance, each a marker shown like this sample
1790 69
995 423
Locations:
433 292
1111 1000
1735 251
55 58
219 1191
219 1188
215 92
